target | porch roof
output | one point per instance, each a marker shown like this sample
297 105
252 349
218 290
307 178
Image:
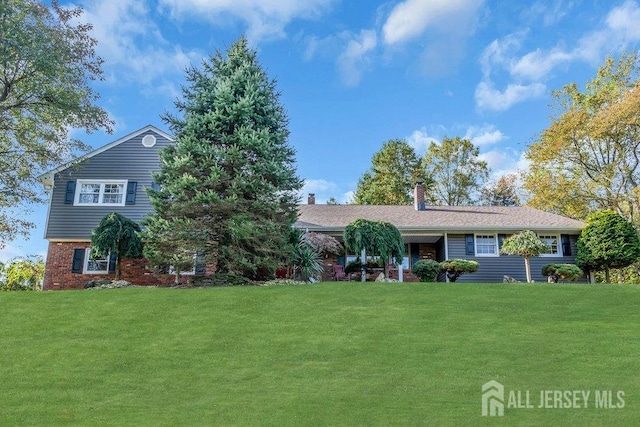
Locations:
436 219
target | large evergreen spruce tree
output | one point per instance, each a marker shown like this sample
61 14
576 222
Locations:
231 174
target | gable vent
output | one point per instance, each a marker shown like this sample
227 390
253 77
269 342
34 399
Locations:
149 141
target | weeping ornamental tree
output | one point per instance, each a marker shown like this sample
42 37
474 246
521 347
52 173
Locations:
376 238
231 174
527 244
116 235
608 241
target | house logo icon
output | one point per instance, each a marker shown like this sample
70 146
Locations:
492 399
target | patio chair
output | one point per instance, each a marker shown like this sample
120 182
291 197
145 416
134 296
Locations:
339 274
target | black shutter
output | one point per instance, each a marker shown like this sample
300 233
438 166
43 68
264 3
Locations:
415 253
501 238
566 245
132 186
78 261
200 264
70 193
469 244
112 263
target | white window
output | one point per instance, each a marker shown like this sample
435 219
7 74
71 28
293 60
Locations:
97 265
553 242
486 245
192 269
94 193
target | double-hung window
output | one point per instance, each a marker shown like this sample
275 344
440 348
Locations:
486 245
553 241
96 265
93 193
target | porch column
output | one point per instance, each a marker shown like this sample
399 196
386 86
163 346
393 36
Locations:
363 259
446 253
400 273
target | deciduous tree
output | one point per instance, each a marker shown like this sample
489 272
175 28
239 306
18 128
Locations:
608 241
587 159
118 236
527 244
394 171
47 61
501 192
231 174
456 171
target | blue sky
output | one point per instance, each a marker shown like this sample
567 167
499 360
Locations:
354 74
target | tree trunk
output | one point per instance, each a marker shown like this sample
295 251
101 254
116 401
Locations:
606 275
527 268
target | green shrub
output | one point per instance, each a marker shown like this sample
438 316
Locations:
354 266
455 268
307 263
568 272
426 269
218 279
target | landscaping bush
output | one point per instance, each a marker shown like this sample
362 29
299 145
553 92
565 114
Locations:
455 268
568 272
354 266
426 269
218 279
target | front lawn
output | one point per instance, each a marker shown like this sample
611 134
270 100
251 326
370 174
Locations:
324 354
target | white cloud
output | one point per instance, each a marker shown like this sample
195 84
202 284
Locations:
624 20
528 72
499 52
420 140
11 252
132 44
484 135
503 162
536 65
411 18
489 98
356 56
264 19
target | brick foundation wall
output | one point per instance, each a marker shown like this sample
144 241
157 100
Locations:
58 273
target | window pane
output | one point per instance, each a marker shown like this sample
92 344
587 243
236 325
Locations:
89 193
113 193
552 241
485 245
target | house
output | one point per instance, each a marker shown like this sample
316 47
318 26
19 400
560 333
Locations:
114 178
447 232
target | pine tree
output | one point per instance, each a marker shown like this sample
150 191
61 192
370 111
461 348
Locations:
231 174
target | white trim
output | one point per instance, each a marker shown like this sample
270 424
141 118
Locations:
87 258
558 239
475 245
102 183
47 177
148 141
446 251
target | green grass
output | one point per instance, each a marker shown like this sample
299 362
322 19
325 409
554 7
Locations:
325 354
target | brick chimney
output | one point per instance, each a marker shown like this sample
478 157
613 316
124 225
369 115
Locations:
312 199
418 197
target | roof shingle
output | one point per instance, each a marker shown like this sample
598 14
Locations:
437 218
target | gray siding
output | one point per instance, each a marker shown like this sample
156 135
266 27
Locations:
128 160
494 268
